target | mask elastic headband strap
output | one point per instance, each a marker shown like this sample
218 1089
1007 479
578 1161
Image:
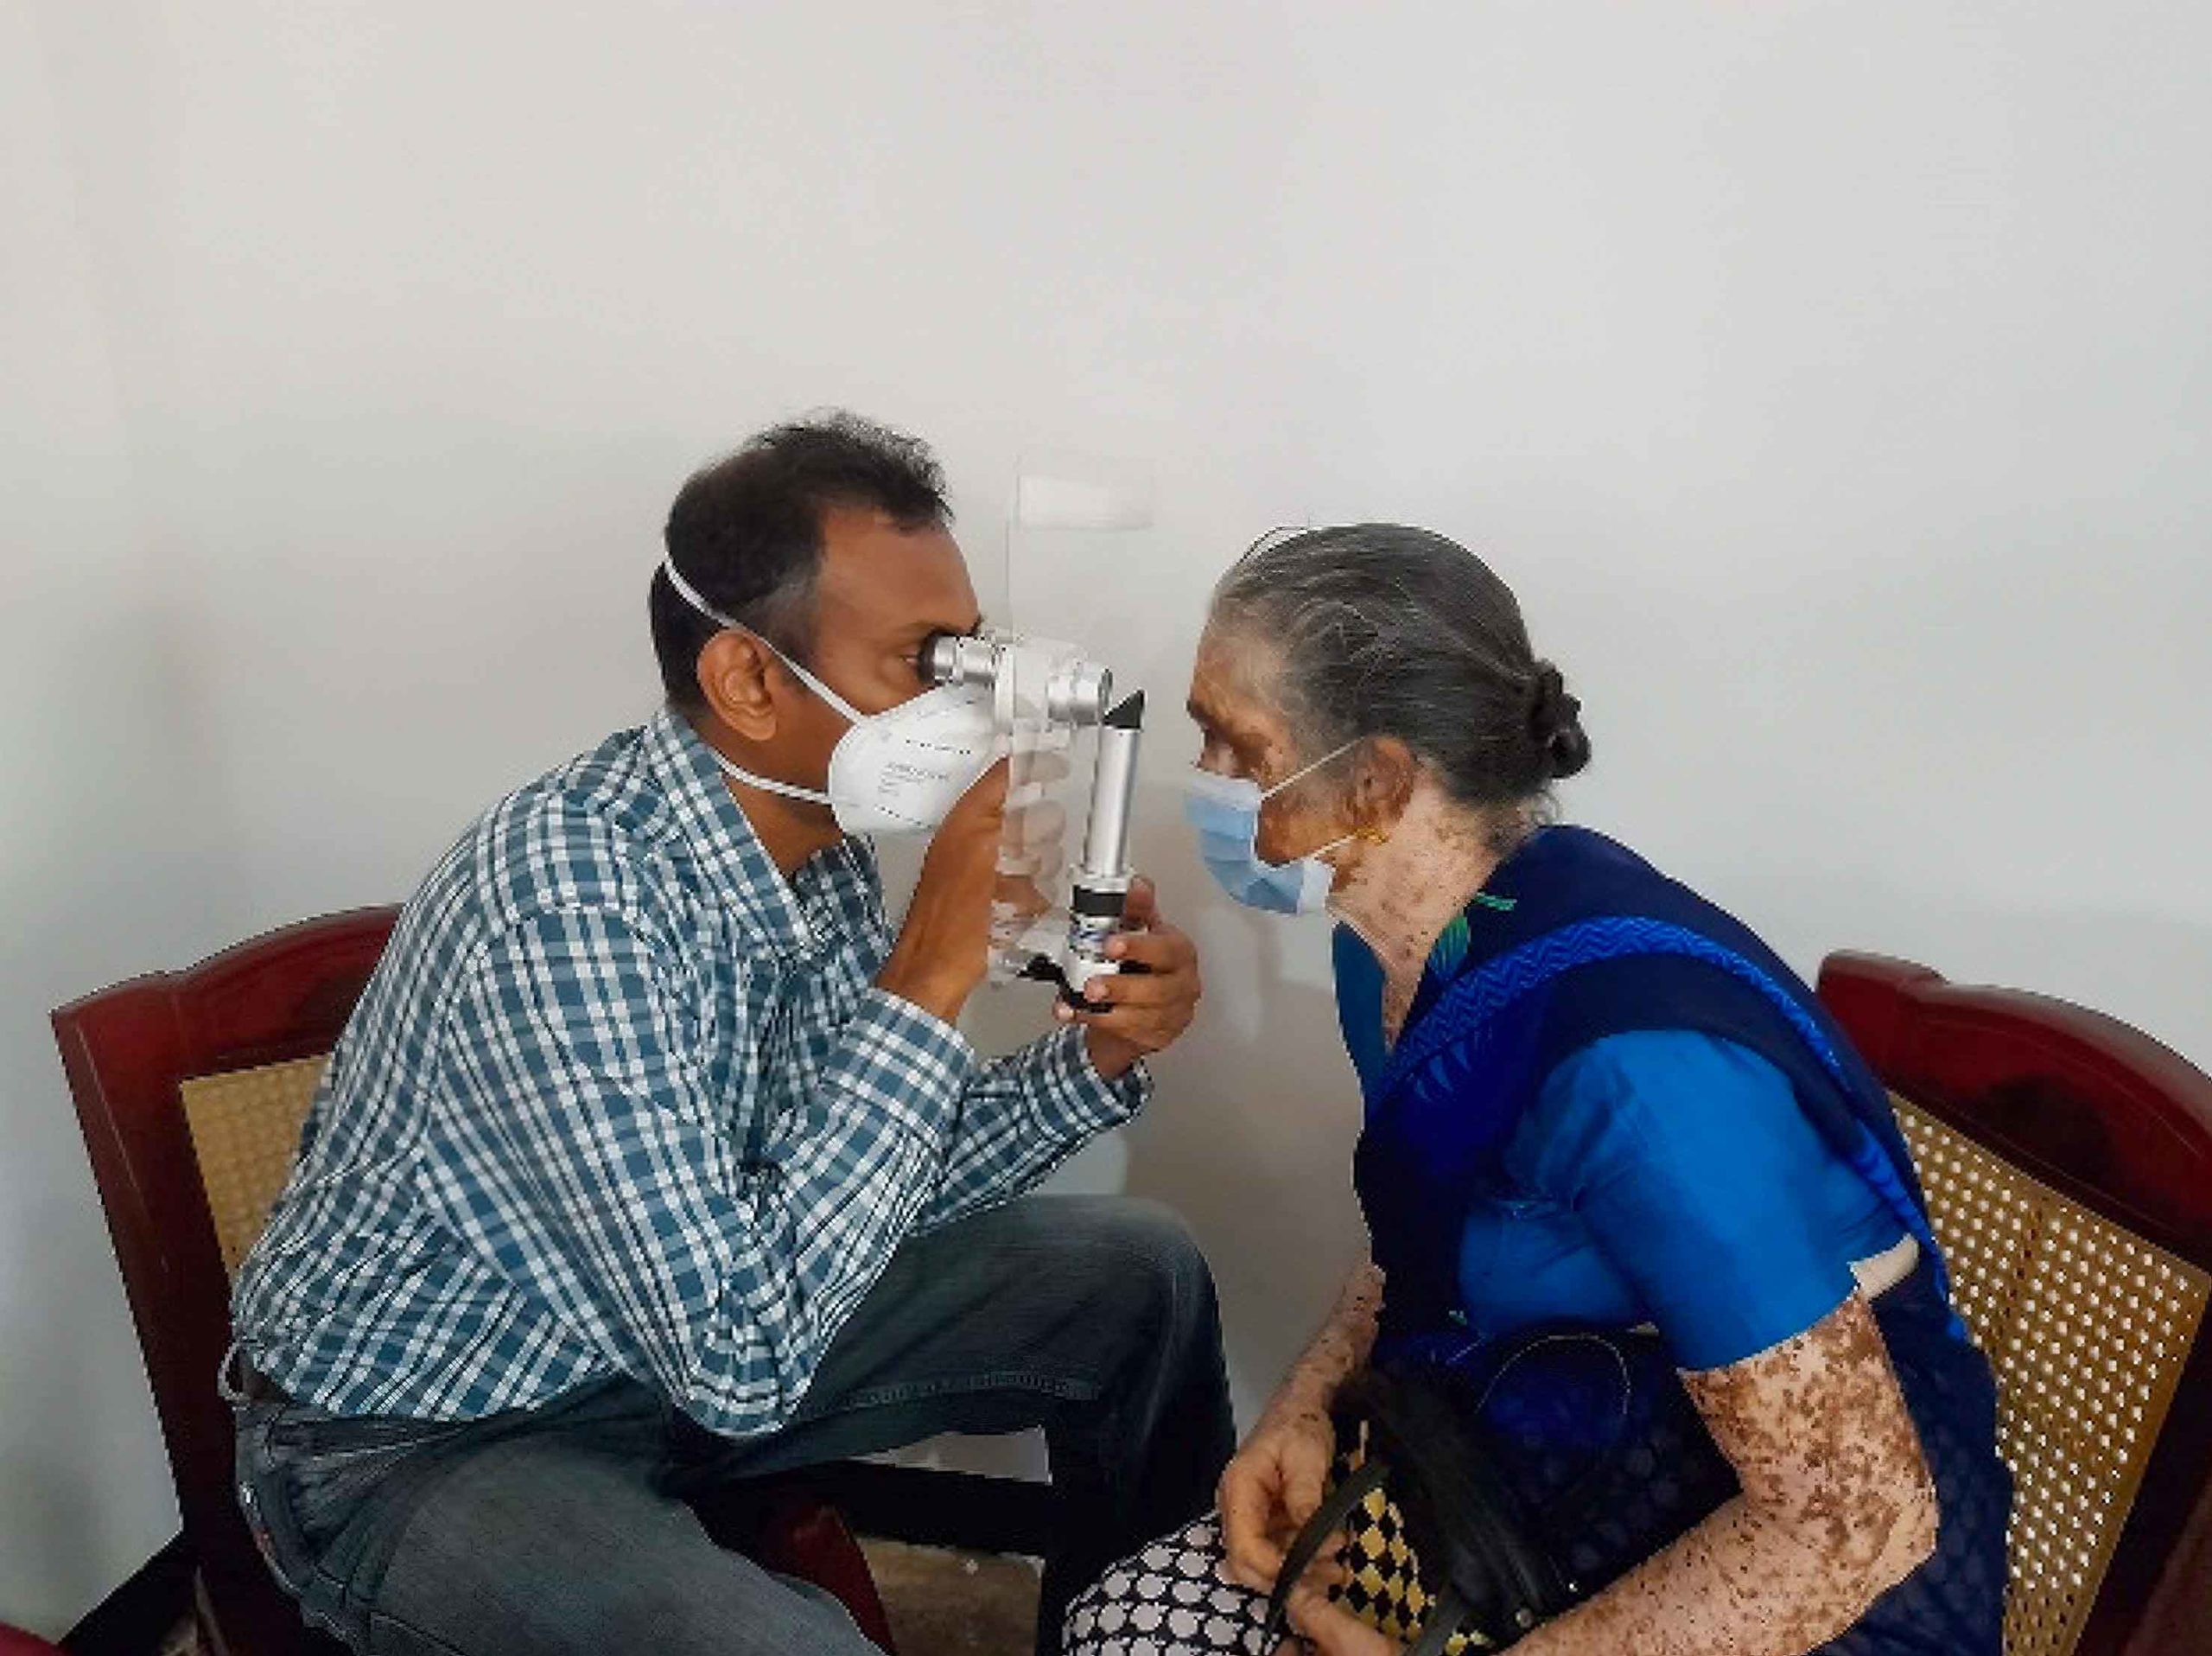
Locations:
689 593
770 785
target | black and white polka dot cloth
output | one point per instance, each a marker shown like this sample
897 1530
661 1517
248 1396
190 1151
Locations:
1170 1600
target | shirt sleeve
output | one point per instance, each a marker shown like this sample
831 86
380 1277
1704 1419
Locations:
1024 1115
578 1149
1699 1178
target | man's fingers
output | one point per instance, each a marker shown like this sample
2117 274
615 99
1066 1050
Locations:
986 793
1142 904
1038 768
1020 895
1033 824
1135 990
1165 950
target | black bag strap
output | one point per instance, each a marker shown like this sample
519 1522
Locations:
1461 1514
1445 1617
1328 1518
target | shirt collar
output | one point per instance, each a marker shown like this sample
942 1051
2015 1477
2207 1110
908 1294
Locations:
788 916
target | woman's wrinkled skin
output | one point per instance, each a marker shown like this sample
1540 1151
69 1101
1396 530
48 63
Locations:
1837 1506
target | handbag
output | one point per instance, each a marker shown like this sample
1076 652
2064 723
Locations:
1479 1499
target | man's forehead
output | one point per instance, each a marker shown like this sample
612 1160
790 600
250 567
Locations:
873 572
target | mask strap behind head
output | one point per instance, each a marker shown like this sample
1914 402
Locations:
689 593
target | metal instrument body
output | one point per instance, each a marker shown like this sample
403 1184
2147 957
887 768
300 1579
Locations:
1043 693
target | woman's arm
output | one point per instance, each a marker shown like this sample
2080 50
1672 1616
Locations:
1837 1507
1339 1350
1278 1478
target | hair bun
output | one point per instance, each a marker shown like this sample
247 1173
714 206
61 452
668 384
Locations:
1556 722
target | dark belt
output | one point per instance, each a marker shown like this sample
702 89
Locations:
259 1388
248 1383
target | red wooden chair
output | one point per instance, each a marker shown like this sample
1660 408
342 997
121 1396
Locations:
2068 1159
189 1087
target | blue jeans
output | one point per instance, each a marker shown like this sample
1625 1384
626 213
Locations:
564 1528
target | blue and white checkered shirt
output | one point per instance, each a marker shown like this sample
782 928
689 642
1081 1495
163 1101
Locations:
620 1098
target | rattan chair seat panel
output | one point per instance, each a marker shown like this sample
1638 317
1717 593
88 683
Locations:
2087 1327
246 1132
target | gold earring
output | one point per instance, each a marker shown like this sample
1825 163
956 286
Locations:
1373 837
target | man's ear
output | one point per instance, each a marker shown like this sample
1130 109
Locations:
735 669
1384 771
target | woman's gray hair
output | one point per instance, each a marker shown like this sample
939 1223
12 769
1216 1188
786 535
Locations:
1390 631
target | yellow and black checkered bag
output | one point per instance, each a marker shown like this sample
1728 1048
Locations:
1478 1505
1415 1474
1383 1584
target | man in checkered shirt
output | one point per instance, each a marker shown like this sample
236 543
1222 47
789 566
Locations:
651 1159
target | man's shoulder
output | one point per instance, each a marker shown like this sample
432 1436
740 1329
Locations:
596 833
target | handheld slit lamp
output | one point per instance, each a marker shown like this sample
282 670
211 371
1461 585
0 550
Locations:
1043 693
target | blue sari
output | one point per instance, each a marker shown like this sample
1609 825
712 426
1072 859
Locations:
1612 1104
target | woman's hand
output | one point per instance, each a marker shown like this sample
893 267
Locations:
1327 1627
1275 1484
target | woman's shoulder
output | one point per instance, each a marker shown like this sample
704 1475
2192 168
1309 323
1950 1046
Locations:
1676 1099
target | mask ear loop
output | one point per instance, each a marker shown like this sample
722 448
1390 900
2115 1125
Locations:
1301 775
1319 850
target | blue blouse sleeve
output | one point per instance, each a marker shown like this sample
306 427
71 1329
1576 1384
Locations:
1699 1178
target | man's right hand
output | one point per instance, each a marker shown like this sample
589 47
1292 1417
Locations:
1276 1483
944 948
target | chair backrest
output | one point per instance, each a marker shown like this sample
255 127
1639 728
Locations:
245 1126
130 1053
2068 1161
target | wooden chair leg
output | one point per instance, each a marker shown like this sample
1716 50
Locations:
805 1537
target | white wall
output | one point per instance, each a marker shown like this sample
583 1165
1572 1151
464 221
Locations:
108 826
1829 378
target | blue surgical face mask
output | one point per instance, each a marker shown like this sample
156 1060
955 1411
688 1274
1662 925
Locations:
1225 810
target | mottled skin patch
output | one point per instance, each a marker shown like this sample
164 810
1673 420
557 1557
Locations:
1837 1508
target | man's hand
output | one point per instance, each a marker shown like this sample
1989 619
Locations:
1141 1011
1274 1484
944 948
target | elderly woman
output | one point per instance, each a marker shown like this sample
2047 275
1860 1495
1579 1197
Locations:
1594 1099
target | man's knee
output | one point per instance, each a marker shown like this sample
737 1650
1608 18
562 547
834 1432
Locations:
1147 1263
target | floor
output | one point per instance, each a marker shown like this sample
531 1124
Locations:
944 1603
941 1603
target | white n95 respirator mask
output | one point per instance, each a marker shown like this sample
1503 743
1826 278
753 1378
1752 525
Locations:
897 772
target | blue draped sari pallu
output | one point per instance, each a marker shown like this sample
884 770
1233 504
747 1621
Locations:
1574 943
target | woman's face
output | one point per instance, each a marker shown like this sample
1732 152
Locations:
1243 732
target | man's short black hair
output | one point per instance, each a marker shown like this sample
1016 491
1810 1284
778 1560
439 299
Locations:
746 531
